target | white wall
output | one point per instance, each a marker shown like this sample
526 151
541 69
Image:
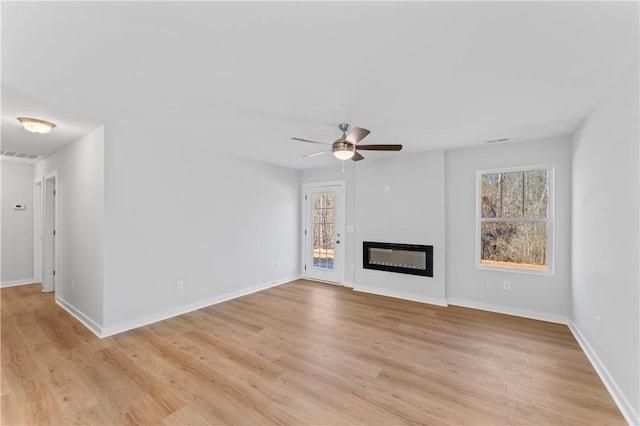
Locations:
216 222
535 296
413 212
80 219
606 240
331 174
17 225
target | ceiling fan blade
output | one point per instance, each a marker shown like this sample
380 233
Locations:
357 157
389 147
313 154
306 140
356 135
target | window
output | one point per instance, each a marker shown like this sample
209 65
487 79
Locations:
515 219
323 222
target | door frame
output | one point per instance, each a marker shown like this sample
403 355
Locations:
38 226
340 214
50 251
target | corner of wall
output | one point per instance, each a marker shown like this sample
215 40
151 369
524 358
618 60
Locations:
630 414
604 318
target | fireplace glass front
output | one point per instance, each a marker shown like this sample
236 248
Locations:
403 258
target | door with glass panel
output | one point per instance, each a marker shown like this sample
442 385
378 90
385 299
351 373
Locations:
324 234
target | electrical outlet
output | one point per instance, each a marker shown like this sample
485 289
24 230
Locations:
506 286
73 284
180 286
598 325
277 264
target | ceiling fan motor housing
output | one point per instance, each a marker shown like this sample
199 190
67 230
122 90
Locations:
342 146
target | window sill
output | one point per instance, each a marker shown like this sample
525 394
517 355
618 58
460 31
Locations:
547 272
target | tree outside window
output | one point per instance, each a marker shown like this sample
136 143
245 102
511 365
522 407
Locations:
514 220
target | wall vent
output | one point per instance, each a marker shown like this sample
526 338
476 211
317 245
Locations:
19 155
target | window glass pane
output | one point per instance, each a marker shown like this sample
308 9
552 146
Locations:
490 195
323 220
536 198
514 244
511 191
515 194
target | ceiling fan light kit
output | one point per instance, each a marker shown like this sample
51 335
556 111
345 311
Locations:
36 125
343 150
346 147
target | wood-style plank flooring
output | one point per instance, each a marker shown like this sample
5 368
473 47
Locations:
301 353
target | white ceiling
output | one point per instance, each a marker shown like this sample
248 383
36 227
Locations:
69 125
245 77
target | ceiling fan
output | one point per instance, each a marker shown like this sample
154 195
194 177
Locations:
346 147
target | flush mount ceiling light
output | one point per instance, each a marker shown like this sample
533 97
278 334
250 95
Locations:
35 125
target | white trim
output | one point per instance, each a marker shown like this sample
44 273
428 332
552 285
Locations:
621 401
400 295
56 254
38 225
329 183
85 320
509 269
515 169
180 310
549 219
13 283
508 310
341 217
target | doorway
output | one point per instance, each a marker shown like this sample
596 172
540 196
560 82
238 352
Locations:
49 234
323 247
38 220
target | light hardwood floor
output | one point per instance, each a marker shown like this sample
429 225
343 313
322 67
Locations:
300 353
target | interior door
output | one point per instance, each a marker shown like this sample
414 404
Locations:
49 231
38 219
324 233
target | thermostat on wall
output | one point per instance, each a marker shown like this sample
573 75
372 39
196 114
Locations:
19 206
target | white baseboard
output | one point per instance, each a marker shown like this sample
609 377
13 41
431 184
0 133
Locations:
630 415
400 295
14 283
180 310
499 309
85 320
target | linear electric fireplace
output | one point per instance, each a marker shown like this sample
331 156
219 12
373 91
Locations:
411 259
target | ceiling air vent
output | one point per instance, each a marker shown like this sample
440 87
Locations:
19 155
497 140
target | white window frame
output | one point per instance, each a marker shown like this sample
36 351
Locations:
549 220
